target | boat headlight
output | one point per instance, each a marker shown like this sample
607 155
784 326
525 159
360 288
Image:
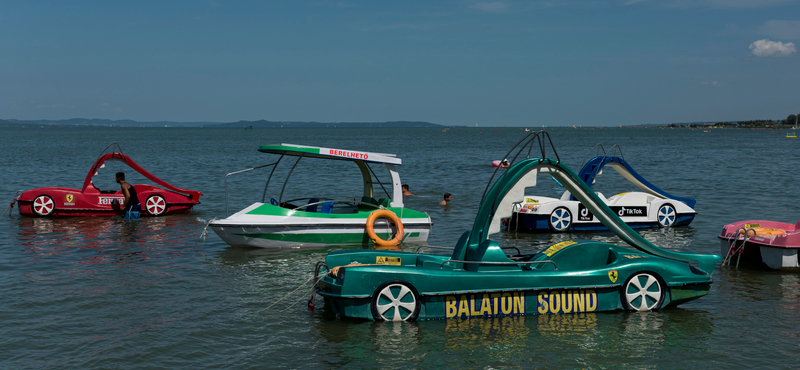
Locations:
696 270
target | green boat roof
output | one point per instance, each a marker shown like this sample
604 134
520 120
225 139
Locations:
329 153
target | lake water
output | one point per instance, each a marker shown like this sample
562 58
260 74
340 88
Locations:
105 293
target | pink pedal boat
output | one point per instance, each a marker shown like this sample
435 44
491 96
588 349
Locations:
774 244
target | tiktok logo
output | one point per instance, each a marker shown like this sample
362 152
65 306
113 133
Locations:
621 211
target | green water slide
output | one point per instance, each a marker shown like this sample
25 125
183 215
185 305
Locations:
510 187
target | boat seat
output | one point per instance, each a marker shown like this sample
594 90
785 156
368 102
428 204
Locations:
431 262
577 257
314 207
327 207
489 251
384 202
460 251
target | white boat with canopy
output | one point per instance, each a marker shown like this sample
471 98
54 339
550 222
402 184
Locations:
320 221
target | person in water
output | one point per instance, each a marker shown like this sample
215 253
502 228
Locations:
447 198
405 191
131 203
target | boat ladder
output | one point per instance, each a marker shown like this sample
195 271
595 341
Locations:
737 248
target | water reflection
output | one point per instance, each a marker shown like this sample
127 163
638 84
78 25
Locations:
640 338
247 255
101 240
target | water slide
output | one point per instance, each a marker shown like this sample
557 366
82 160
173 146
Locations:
592 168
523 175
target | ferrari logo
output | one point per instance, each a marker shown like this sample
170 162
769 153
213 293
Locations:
612 275
69 198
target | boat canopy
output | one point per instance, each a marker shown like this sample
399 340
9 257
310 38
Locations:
358 157
329 153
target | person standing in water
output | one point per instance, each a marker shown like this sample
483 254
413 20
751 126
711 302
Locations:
131 203
406 192
447 198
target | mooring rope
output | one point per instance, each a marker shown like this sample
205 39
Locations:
205 229
303 297
292 292
11 205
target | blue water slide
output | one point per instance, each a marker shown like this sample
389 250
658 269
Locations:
596 164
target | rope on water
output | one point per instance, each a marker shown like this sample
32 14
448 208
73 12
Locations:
313 286
205 229
11 205
292 292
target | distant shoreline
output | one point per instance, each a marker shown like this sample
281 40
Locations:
239 124
83 122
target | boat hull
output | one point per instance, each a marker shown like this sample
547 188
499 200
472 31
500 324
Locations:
513 302
266 226
756 254
312 236
539 222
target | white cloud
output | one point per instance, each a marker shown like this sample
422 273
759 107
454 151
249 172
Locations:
782 29
492 7
767 48
712 83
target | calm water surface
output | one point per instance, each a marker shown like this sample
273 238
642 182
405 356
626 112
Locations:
104 293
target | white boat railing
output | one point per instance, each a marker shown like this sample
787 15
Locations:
238 172
336 201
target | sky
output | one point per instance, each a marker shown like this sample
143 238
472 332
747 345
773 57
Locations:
485 63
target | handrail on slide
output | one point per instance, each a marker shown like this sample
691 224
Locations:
576 186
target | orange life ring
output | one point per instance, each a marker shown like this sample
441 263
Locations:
385 213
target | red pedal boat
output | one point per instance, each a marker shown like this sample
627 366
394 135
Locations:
91 201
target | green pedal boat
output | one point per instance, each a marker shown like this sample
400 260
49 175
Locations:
316 221
480 280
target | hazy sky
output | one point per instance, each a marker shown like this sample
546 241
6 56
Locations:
493 63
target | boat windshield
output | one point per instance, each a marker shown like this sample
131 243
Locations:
302 175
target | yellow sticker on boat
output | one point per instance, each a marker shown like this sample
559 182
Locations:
633 256
612 275
531 200
750 226
557 247
387 261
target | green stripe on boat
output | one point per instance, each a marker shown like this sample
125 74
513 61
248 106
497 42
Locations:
279 148
326 238
270 210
